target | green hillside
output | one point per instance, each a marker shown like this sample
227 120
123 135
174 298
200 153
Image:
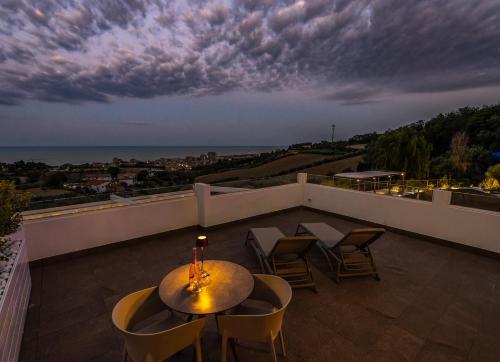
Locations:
460 144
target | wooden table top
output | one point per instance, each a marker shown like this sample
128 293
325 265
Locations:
230 284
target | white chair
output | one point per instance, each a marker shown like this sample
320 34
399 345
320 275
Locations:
260 318
153 333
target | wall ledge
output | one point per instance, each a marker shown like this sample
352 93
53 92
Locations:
423 237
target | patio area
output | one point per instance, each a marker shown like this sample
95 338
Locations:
433 303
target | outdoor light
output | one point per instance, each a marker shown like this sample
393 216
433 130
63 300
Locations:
202 243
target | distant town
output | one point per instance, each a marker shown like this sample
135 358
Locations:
100 177
116 176
66 184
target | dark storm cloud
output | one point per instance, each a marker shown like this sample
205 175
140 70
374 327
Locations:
3 56
19 54
166 20
353 94
256 4
124 78
56 86
69 23
347 51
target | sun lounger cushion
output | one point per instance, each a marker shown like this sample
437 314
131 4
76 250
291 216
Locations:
266 238
324 232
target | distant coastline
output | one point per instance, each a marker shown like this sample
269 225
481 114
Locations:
58 155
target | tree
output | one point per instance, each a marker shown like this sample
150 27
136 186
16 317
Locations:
480 159
11 205
141 176
34 176
459 152
113 172
404 149
441 166
494 171
56 180
440 129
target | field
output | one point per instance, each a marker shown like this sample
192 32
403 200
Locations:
39 192
333 167
359 146
281 166
271 168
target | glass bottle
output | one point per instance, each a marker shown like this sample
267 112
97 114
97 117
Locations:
194 274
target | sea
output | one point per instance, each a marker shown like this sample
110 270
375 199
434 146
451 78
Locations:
58 155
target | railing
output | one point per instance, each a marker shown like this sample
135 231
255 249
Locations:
415 189
67 201
443 183
105 197
154 191
249 184
476 199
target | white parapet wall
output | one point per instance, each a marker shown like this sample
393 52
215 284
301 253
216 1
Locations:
220 209
58 235
51 236
437 219
14 304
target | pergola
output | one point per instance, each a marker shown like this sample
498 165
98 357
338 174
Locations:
364 175
370 180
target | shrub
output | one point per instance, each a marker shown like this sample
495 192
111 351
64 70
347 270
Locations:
490 184
55 180
492 180
11 205
494 171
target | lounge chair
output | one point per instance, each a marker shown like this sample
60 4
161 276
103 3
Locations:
350 252
283 256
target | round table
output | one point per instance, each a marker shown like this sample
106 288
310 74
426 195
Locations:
230 284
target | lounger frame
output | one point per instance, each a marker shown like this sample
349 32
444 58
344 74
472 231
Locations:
349 260
294 268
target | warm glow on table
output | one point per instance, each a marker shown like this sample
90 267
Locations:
203 301
230 284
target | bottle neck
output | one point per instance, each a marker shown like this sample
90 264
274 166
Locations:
193 255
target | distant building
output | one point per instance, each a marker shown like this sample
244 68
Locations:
97 165
212 157
98 186
73 185
127 180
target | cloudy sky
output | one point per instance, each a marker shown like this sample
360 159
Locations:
253 72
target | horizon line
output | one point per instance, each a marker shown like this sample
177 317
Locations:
11 146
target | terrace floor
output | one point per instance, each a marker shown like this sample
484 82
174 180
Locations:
433 303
